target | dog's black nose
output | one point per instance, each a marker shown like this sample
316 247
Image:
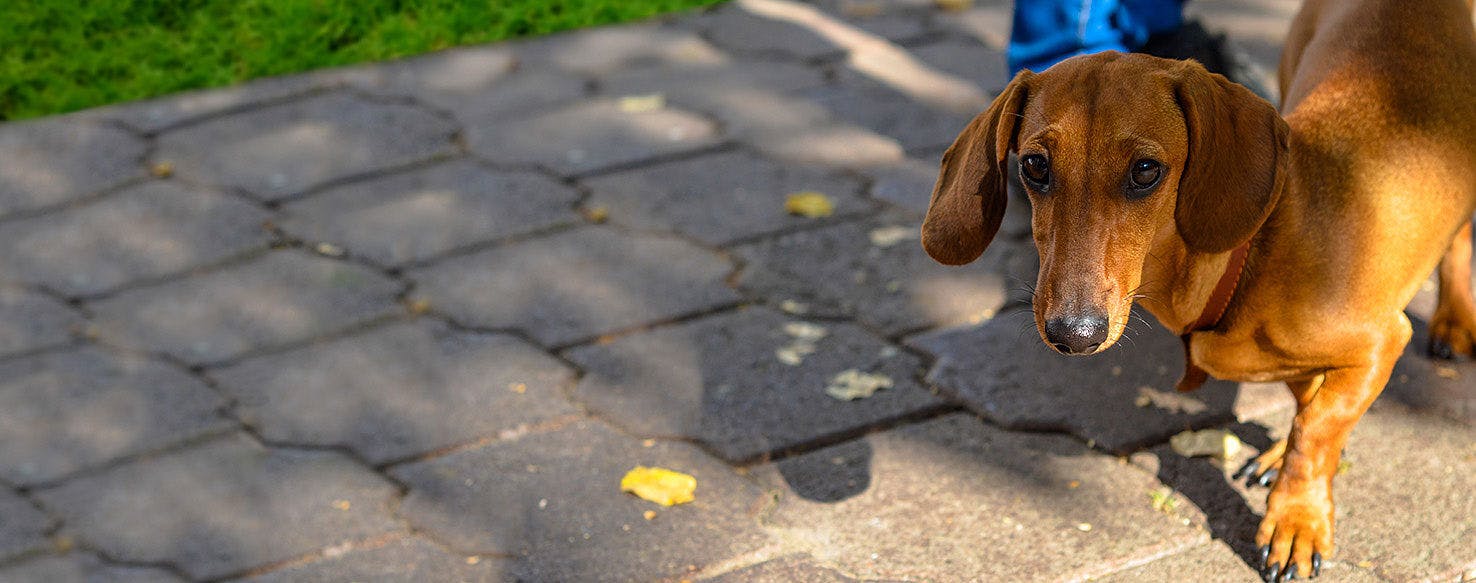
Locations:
1077 334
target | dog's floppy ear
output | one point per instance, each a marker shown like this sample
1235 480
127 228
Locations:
1236 161
969 199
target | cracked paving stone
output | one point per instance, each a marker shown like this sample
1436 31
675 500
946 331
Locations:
720 381
53 161
417 215
408 560
80 567
733 28
280 151
146 231
23 527
893 286
398 390
63 412
957 499
912 124
577 284
592 136
221 507
283 297
721 197
605 50
32 321
554 500
1120 400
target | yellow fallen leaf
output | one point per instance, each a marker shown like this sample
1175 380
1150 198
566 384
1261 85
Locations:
659 485
809 204
1209 442
162 169
597 213
852 384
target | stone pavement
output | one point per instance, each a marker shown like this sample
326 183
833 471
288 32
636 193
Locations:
413 321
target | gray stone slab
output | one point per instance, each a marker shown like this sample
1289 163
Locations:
577 284
955 499
719 198
782 570
743 95
1214 561
603 50
62 412
913 124
720 381
554 500
736 29
31 321
838 145
1405 508
416 215
1003 371
907 184
53 161
477 83
981 65
147 231
80 567
875 270
283 297
162 113
1445 387
407 560
592 136
225 506
23 527
280 151
399 390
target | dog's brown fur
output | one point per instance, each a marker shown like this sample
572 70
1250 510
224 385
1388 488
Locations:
1347 203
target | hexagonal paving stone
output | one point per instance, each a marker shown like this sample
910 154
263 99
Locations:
477 83
31 321
23 527
746 96
913 124
554 499
80 567
399 390
53 161
577 284
956 499
720 381
719 198
876 271
173 110
280 151
1120 400
782 570
147 231
224 506
407 560
422 213
592 136
736 29
61 412
838 145
603 50
283 297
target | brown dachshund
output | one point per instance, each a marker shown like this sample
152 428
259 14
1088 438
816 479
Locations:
1283 249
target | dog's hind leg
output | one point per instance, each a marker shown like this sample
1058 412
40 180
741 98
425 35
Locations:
1453 327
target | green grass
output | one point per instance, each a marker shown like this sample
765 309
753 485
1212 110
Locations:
64 55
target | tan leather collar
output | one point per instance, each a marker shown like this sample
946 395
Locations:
1219 299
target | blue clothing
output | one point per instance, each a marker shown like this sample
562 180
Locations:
1046 32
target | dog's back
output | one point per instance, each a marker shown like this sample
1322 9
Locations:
1380 96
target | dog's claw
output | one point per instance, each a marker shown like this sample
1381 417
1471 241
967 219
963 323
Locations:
1265 553
1268 477
1316 564
1270 572
1290 574
1248 470
1440 349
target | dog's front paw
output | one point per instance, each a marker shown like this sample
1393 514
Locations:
1452 333
1295 537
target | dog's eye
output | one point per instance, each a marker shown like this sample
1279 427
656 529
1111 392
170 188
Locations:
1145 174
1036 170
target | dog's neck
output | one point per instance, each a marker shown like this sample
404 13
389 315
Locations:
1180 284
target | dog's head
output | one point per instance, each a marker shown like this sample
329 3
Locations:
1121 155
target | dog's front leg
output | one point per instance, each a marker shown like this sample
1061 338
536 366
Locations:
1297 532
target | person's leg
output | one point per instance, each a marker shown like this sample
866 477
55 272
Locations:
1046 32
